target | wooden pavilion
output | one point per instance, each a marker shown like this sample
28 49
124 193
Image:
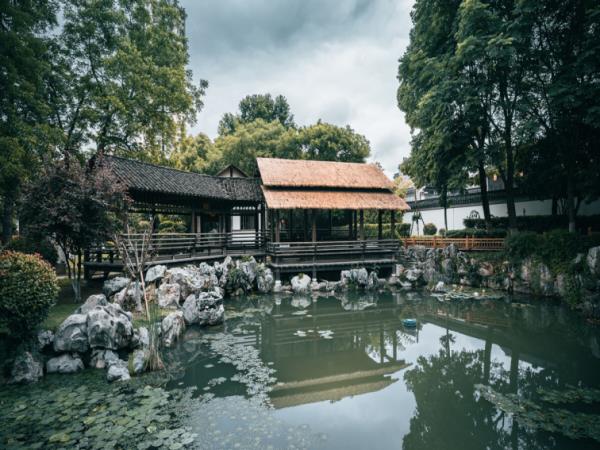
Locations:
320 189
299 215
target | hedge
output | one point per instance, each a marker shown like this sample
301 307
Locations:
476 232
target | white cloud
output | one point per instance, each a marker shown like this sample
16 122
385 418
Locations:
335 61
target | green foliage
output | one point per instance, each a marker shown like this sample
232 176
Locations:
192 153
43 247
429 229
28 289
474 232
519 246
258 106
327 142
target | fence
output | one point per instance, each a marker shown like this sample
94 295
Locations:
465 244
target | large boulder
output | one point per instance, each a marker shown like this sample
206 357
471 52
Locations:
114 285
71 335
373 281
109 327
101 358
205 308
301 284
172 326
265 281
249 267
593 260
26 369
413 275
141 338
190 280
91 302
118 371
155 273
356 277
65 363
168 295
485 270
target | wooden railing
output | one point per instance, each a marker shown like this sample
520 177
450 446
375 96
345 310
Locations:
465 244
327 252
165 246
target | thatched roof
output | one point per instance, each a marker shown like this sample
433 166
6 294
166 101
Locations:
300 184
333 199
276 172
142 177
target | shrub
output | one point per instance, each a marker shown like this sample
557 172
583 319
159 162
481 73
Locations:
442 232
28 289
476 232
538 224
519 246
429 229
30 246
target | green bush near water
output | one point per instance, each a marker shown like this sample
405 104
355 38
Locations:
28 289
429 229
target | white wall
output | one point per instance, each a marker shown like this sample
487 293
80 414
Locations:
457 214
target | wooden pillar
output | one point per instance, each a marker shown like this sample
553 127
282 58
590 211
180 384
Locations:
362 224
355 220
314 225
193 227
379 225
277 227
305 225
393 223
350 215
330 224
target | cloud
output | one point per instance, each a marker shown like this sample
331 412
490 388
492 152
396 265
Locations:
332 60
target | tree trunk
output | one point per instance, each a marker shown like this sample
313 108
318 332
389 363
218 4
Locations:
509 185
571 212
7 215
554 206
485 202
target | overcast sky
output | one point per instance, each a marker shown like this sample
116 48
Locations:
334 60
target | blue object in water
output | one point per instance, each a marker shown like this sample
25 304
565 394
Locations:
411 323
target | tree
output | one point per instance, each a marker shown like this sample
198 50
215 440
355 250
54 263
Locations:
327 142
192 153
258 106
76 207
120 79
25 63
252 140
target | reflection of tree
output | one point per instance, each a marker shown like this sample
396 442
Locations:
448 414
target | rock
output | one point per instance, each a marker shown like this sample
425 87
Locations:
546 280
439 287
168 295
45 339
26 369
65 363
114 285
448 267
130 298
71 335
138 361
141 338
101 358
265 281
172 326
301 284
249 268
450 251
91 302
485 270
109 327
593 260
373 281
118 371
190 280
413 275
155 273
206 308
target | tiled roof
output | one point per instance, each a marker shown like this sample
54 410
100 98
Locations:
151 178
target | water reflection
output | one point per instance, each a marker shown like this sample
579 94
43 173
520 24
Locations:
346 366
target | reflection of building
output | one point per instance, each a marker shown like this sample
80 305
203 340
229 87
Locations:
355 360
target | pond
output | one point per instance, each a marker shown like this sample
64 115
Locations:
340 372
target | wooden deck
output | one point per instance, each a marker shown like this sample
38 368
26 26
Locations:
179 248
331 255
464 244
